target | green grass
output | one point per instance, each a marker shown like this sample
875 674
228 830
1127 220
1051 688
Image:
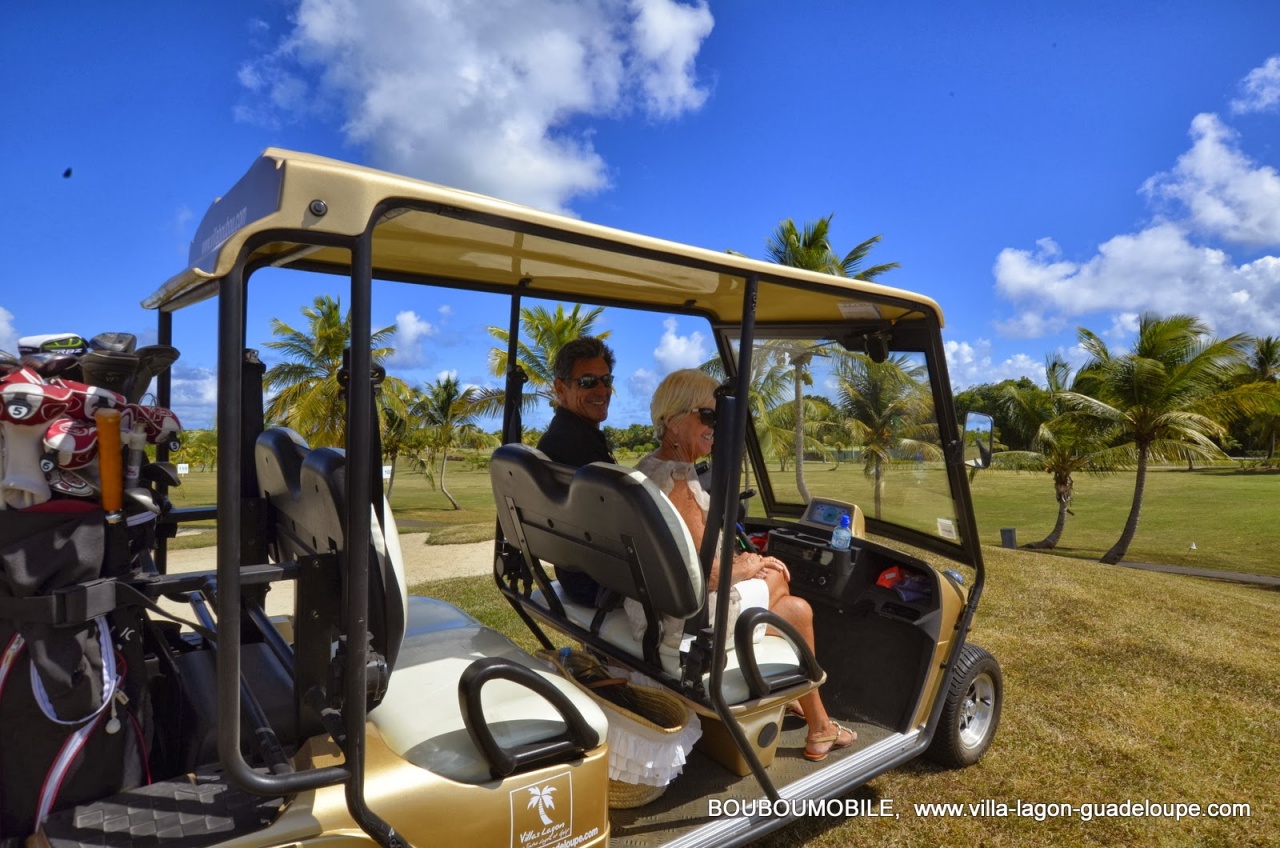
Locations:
1233 517
1230 515
1119 685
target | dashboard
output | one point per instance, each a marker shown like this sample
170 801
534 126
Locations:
825 513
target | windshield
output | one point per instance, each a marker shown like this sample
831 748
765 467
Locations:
866 433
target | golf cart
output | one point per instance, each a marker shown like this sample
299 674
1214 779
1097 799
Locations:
373 716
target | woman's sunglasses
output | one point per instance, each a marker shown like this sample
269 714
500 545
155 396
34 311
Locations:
589 381
705 415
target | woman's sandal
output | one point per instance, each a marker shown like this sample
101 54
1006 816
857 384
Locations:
794 708
833 742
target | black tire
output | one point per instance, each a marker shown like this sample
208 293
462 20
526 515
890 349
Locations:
971 713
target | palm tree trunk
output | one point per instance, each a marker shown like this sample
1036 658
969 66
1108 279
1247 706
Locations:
391 481
1121 547
1051 541
800 484
879 476
444 461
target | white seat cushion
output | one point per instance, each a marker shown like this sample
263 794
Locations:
420 719
773 653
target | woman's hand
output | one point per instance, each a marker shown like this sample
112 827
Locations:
749 565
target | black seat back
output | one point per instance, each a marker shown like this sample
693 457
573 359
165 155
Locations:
608 521
307 489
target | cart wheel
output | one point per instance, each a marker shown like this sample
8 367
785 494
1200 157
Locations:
972 711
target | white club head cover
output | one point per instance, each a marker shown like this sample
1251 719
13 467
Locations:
26 410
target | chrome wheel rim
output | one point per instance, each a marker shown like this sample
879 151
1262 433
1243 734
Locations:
977 710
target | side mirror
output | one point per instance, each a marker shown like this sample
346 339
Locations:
977 440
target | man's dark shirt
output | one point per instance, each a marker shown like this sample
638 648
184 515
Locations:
575 441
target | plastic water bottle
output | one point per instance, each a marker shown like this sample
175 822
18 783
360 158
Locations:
842 536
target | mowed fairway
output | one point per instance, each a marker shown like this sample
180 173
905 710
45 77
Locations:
1233 517
1120 685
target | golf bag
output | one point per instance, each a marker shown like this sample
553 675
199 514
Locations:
74 708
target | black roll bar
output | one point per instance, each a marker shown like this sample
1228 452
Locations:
728 507
231 326
360 417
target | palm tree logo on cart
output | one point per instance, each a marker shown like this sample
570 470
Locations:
541 798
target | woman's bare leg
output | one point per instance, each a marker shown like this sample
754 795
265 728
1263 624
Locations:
797 612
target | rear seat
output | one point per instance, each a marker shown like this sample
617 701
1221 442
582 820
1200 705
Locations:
773 653
428 643
419 718
613 523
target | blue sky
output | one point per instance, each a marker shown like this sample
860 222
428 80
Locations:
1034 167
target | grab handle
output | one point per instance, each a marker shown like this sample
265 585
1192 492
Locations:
578 738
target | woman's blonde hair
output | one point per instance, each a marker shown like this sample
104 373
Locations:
679 392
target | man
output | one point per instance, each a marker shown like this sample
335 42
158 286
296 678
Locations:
583 370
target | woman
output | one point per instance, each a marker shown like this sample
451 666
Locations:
683 412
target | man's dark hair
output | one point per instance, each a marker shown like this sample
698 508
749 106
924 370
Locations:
585 347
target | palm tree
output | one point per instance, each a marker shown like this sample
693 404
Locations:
767 389
305 394
1262 366
403 434
811 250
448 414
542 334
199 447
888 412
1062 445
1165 396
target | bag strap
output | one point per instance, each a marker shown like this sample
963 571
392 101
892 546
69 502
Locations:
83 602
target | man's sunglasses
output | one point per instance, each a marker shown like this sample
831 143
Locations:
705 415
589 381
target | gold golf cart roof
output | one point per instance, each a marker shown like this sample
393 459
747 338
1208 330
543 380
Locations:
427 233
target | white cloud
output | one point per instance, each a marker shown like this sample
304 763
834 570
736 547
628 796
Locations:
8 335
1214 195
675 351
193 395
667 38
445 310
1225 193
970 364
642 383
1155 269
448 374
1030 325
1123 325
483 96
1260 89
410 331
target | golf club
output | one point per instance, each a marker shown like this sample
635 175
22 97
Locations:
53 343
53 365
8 363
114 342
109 369
152 360
165 473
